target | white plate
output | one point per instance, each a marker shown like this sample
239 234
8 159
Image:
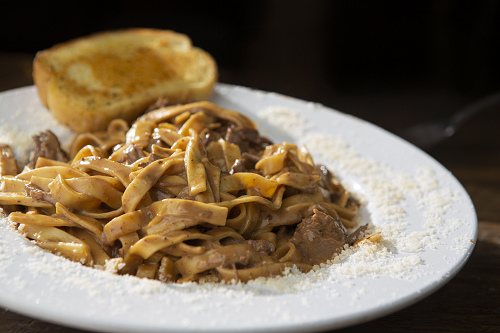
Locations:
406 189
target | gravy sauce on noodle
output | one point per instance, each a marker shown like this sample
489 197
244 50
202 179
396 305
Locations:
187 193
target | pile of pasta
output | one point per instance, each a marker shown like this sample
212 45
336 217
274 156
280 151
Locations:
187 193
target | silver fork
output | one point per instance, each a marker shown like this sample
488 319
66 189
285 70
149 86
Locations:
430 134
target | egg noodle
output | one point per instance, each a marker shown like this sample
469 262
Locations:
187 193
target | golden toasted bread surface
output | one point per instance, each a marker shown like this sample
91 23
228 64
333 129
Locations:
89 81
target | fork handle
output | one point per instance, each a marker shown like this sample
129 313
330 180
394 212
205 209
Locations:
461 116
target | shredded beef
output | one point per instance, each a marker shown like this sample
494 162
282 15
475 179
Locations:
251 157
158 195
159 103
47 145
132 153
238 166
151 158
37 193
357 235
8 167
351 201
246 138
237 135
7 209
326 177
206 140
260 245
214 134
8 163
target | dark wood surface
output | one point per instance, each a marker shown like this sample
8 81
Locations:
471 301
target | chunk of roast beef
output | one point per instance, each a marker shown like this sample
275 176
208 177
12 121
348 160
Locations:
319 237
47 145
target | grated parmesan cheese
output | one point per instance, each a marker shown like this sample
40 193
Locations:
291 122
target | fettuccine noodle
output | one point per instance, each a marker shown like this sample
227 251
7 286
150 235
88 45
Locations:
187 193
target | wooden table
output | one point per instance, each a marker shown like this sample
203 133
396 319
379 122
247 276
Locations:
469 303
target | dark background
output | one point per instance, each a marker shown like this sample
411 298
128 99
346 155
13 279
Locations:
392 63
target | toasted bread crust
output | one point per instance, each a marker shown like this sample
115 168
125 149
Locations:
89 81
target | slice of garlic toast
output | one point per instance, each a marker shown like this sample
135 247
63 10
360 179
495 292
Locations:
89 81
